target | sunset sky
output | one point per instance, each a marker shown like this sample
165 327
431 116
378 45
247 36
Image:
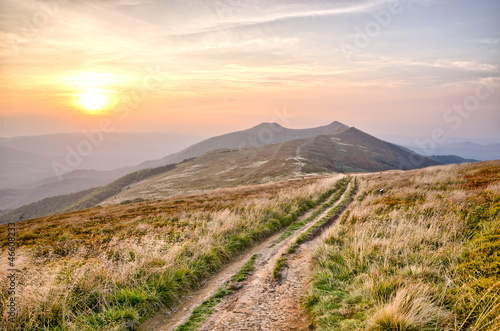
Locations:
214 66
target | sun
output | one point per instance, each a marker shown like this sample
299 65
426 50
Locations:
93 101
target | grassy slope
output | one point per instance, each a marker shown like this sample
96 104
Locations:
44 207
423 256
352 150
220 168
109 268
346 151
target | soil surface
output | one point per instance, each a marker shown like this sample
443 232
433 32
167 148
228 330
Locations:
261 302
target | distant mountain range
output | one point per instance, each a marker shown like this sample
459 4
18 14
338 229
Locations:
27 174
264 153
26 160
466 150
475 149
451 159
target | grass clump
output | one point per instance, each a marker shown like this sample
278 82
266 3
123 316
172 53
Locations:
204 310
245 270
279 265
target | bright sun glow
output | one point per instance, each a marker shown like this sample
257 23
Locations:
93 101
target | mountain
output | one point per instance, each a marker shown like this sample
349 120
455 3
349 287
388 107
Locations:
26 160
262 134
343 150
37 180
331 148
352 150
469 150
451 159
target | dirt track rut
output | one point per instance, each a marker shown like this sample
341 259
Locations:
262 303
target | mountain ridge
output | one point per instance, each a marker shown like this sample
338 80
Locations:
335 147
262 134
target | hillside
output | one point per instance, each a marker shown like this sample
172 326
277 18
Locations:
217 169
346 150
29 176
108 268
262 134
422 256
352 150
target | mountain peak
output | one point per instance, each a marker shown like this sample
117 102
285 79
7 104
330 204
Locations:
337 124
267 124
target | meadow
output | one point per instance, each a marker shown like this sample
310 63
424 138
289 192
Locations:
424 255
110 268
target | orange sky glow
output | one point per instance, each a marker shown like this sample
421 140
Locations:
196 67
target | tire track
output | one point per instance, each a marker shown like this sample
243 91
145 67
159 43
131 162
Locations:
249 299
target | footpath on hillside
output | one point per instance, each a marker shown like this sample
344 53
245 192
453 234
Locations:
268 299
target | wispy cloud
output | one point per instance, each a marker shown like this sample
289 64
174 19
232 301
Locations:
487 41
258 18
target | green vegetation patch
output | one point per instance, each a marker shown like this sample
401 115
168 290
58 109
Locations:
277 268
339 188
478 275
204 310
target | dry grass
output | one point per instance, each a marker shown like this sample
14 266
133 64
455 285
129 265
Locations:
109 268
217 169
422 256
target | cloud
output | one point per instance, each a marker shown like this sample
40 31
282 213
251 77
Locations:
283 13
116 3
487 41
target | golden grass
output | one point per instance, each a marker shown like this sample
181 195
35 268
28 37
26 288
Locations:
422 256
109 268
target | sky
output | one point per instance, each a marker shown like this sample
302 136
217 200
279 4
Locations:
422 68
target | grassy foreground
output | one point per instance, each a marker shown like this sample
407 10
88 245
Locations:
111 268
425 255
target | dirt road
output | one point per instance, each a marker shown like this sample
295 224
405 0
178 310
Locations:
262 302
